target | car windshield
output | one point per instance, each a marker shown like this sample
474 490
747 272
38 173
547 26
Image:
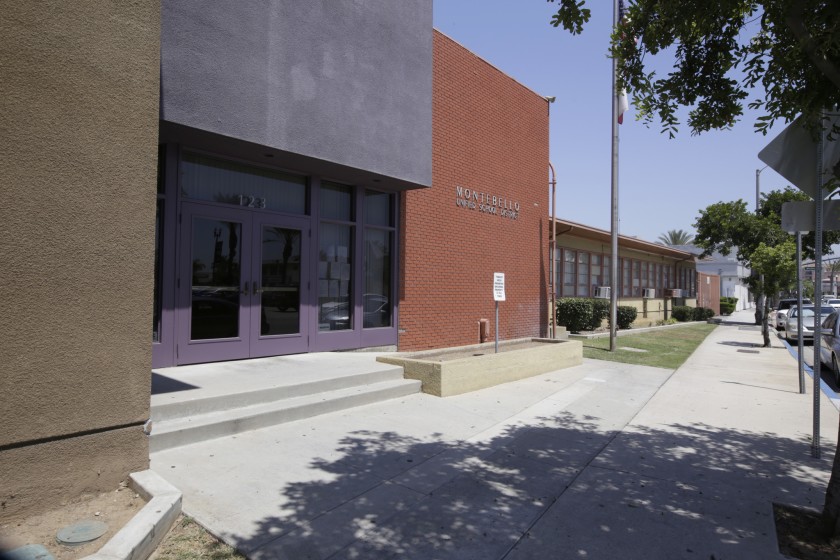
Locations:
809 311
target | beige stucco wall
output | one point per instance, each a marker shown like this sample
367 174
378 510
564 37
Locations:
78 168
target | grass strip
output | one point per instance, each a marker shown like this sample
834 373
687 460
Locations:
666 348
187 540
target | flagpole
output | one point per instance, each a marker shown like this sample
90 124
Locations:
614 197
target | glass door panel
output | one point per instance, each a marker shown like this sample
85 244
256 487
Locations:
280 289
216 277
280 281
335 267
213 296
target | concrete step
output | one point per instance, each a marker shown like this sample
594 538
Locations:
239 397
184 430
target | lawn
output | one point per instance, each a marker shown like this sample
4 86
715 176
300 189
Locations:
665 348
187 540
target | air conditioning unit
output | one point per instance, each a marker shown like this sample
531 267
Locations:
649 293
602 292
674 293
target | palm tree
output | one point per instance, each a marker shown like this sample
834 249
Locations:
676 237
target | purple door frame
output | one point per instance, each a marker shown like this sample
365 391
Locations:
249 343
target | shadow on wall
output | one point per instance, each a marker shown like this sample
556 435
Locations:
524 494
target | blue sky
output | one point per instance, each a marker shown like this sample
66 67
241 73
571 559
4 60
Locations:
663 183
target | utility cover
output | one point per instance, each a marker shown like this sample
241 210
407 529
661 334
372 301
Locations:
29 552
81 533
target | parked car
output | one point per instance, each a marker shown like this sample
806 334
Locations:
778 317
376 309
807 314
832 302
830 348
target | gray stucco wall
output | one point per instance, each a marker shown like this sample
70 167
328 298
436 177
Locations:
345 82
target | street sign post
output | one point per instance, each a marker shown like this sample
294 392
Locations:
498 295
809 162
800 216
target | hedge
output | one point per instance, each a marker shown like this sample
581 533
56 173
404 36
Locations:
583 314
703 313
625 315
600 311
682 313
576 314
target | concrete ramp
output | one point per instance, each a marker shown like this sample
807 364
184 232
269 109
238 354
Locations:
206 401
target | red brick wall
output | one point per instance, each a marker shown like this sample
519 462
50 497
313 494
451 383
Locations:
489 134
708 291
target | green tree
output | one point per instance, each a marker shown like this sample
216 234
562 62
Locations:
775 271
785 54
789 64
676 237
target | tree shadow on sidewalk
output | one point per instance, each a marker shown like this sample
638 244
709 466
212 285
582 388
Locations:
563 488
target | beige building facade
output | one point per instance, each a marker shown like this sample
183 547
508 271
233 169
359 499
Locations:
80 123
651 277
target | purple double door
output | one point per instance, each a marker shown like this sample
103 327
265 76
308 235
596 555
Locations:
243 288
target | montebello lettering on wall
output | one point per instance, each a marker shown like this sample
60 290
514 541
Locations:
491 204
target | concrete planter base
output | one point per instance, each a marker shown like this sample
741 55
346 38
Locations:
460 370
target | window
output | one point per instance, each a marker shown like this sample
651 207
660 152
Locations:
607 272
379 232
637 272
228 182
626 279
583 274
595 278
569 258
335 266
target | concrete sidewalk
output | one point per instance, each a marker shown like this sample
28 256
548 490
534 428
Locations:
603 460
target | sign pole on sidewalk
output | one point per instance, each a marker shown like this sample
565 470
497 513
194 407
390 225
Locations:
498 295
801 356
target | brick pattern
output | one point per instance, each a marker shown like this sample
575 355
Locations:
489 135
708 291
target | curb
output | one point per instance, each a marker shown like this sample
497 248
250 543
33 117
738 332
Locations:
825 388
144 532
626 332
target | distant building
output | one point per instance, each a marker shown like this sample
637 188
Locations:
652 277
731 272
830 280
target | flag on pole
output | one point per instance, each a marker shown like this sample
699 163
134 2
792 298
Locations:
623 103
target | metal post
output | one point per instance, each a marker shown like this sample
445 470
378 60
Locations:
614 205
801 356
818 239
552 260
497 327
760 297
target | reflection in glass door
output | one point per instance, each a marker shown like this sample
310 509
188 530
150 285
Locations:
242 285
280 281
280 287
216 277
213 296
